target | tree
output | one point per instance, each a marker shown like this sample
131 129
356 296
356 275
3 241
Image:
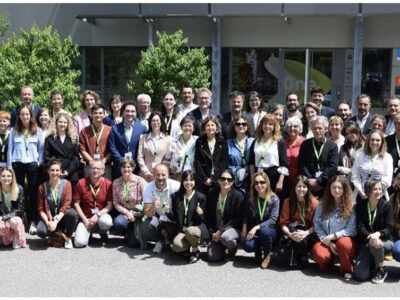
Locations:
42 60
169 65
4 25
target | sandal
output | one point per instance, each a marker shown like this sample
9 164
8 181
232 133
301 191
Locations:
194 257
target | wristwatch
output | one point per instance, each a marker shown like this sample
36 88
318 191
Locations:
98 214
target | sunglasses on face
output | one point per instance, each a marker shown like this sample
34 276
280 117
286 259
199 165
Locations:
261 182
227 179
239 124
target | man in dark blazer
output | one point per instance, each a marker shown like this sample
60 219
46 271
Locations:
363 117
318 157
236 100
204 99
26 97
318 97
393 145
124 137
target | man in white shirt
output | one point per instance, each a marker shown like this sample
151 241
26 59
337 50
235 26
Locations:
393 108
144 109
363 117
187 96
157 202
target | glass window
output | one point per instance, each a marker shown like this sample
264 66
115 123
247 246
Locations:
93 72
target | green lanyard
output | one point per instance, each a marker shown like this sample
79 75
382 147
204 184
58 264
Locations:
262 211
398 151
126 188
7 202
54 195
265 145
187 149
153 139
95 193
222 203
302 213
27 140
363 123
371 220
371 165
318 154
167 121
242 150
3 145
211 146
162 195
186 203
97 137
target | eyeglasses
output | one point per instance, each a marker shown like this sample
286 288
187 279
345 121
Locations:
261 182
239 124
228 179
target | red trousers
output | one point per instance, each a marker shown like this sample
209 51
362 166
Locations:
346 249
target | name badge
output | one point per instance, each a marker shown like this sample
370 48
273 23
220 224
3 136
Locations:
96 156
163 218
318 174
128 155
94 211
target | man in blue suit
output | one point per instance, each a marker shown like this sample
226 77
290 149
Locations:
124 137
318 97
26 97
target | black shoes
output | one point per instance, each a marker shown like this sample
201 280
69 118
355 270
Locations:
380 275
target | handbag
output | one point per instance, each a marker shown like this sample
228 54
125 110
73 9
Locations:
58 239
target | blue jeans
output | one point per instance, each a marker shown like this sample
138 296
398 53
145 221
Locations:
123 225
396 250
263 239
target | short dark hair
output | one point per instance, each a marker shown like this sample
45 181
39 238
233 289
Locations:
56 92
235 94
318 90
129 102
98 106
187 86
343 102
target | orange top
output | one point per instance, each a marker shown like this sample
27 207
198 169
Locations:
286 219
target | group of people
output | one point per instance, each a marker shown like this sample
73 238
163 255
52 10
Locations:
307 181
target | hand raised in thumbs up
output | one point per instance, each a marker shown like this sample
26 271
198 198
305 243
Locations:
199 211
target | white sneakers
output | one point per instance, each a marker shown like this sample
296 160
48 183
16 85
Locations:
68 244
32 229
158 247
348 276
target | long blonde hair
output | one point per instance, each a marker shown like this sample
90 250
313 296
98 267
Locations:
71 132
14 185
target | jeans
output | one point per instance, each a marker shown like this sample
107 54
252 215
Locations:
262 239
67 224
123 225
228 239
396 250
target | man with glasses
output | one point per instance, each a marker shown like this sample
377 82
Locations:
92 203
292 106
157 203
203 110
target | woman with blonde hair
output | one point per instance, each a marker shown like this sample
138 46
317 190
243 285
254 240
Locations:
335 226
268 154
11 210
62 143
259 227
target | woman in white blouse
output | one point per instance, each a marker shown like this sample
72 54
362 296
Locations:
268 154
181 153
372 161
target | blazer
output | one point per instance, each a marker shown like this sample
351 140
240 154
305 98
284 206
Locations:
196 114
119 145
233 211
204 162
383 221
270 217
65 204
327 111
226 121
394 200
17 207
328 161
392 150
67 152
177 213
366 129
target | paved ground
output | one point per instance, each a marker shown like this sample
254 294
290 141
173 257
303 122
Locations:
117 270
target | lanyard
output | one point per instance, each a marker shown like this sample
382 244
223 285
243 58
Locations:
186 203
153 139
371 164
126 188
371 220
167 121
162 195
302 213
318 154
97 137
362 124
391 128
222 203
54 195
242 150
262 211
3 145
27 140
398 151
187 149
211 146
7 202
265 146
95 193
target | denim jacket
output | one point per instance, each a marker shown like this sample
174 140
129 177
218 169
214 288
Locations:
17 151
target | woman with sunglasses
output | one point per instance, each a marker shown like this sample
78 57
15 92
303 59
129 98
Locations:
259 228
54 205
211 154
296 221
335 226
239 152
188 209
268 155
224 218
12 208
